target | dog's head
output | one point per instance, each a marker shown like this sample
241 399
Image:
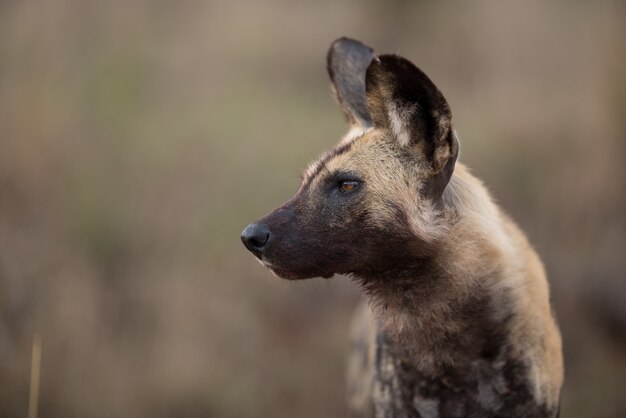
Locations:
370 205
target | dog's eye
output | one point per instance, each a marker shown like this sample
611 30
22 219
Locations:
348 186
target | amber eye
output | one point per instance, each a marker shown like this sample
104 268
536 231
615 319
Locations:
348 186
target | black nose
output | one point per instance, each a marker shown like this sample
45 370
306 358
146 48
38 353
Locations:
255 237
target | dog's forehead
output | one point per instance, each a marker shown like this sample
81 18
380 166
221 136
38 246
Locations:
356 149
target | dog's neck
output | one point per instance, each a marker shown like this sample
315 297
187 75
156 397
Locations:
437 322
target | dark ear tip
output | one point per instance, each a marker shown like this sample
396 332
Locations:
392 61
340 48
386 63
345 41
387 67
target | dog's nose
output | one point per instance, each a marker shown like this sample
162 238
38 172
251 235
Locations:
255 237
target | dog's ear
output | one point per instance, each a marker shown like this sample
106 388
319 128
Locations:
404 101
347 62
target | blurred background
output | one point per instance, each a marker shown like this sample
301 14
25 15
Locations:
137 139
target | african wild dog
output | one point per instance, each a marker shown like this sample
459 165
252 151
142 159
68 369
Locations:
458 320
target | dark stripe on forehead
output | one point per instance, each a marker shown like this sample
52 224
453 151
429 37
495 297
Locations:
321 163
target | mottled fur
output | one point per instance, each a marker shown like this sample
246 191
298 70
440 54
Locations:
457 321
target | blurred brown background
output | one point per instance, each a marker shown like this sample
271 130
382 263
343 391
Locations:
137 139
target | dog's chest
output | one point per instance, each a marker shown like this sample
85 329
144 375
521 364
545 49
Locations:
401 391
396 389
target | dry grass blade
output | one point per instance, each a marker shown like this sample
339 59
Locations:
35 373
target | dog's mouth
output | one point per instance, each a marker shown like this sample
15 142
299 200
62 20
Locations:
281 272
289 274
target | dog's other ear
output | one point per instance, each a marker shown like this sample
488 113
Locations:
347 62
404 101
